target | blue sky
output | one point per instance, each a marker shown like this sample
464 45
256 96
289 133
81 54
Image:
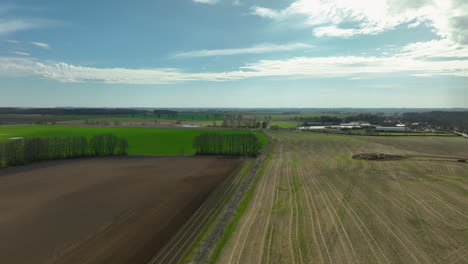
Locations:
228 53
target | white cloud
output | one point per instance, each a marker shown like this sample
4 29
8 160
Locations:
442 48
263 48
63 72
14 25
210 2
21 53
41 44
333 31
268 13
422 59
355 66
448 18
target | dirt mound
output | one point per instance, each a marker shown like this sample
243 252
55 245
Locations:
377 156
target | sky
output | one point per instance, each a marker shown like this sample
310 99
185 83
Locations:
234 53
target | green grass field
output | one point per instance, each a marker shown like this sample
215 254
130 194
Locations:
144 141
285 124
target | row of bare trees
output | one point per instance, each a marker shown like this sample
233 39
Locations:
227 144
25 151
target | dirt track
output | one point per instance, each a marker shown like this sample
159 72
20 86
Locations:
112 210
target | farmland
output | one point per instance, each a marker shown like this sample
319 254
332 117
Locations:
102 210
314 204
147 141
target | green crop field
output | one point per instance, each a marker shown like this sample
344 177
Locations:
144 141
285 124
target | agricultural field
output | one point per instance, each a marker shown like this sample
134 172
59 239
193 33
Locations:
142 141
313 203
102 210
136 121
285 124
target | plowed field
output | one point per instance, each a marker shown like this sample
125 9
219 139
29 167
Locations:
103 210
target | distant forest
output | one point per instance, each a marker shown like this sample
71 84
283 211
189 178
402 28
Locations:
72 111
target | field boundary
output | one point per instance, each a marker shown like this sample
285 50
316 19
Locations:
189 235
210 247
210 218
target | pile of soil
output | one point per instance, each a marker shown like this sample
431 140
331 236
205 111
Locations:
377 156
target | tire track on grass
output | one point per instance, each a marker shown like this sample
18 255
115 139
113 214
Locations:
276 175
355 216
435 229
313 210
291 215
328 204
253 211
437 197
387 223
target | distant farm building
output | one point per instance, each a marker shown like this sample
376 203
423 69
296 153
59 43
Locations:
416 126
353 125
311 127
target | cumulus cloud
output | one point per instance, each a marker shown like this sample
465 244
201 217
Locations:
257 49
41 44
448 18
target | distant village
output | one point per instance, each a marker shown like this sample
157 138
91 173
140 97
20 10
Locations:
391 127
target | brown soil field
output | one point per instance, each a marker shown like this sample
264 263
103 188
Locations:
102 210
313 203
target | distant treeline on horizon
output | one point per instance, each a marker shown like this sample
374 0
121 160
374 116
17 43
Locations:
81 111
171 111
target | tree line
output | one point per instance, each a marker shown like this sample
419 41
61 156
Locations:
71 111
24 151
227 144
